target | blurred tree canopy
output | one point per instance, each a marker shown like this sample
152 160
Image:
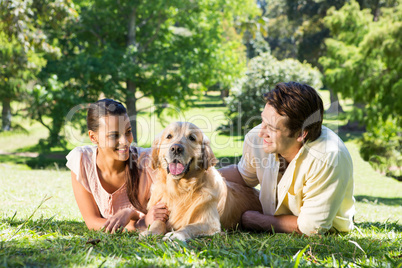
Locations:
165 50
23 43
56 54
296 29
363 64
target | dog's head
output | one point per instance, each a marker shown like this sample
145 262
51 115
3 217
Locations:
182 150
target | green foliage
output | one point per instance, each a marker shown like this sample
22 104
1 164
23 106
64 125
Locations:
68 243
297 29
166 51
54 100
382 147
57 236
24 44
362 63
264 72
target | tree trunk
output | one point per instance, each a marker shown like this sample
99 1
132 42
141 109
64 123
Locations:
335 105
131 86
54 133
6 114
224 94
131 107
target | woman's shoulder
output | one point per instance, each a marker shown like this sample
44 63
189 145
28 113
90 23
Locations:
80 152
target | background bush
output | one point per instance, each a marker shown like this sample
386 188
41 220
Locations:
264 72
382 147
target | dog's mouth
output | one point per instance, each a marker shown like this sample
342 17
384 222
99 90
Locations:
176 168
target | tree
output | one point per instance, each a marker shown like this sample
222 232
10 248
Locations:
164 50
297 29
363 63
264 72
23 44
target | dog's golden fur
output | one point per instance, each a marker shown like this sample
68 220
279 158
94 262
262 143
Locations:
199 198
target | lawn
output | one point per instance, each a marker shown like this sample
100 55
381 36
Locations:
40 224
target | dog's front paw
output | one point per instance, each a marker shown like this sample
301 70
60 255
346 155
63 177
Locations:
144 234
175 235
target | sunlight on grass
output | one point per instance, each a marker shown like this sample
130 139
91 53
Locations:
20 138
57 236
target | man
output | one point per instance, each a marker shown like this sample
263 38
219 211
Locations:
304 170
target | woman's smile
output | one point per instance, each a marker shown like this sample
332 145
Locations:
122 150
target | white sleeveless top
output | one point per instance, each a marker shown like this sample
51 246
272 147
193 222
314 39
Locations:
82 161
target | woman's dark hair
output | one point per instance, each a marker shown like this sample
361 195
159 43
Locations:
301 104
106 107
103 108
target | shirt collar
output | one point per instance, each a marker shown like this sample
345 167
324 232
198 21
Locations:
300 152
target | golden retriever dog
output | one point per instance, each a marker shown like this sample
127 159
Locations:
199 199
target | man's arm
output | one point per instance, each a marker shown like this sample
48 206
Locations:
231 173
257 221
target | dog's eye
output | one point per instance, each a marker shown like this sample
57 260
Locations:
169 136
191 138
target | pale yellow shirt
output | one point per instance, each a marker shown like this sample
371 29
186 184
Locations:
82 161
317 185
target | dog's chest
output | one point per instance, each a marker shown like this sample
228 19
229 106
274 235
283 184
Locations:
184 209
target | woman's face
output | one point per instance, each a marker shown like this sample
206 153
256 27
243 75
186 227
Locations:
114 136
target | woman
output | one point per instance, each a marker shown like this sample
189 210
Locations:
111 180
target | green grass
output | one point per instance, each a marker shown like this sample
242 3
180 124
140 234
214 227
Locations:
55 235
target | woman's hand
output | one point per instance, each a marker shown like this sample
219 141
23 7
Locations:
157 212
118 221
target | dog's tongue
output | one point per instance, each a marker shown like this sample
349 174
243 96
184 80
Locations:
176 168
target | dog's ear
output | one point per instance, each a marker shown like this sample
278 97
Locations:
208 157
155 152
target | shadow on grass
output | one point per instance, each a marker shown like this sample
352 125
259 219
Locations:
48 160
397 201
12 158
51 243
350 135
396 226
227 160
69 243
209 101
36 161
65 227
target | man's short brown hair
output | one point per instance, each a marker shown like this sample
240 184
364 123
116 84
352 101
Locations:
301 104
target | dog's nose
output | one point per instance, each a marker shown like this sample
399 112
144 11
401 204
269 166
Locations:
176 149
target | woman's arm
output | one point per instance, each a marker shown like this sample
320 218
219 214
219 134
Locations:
87 205
128 218
90 211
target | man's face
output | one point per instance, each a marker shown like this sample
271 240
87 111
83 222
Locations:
276 134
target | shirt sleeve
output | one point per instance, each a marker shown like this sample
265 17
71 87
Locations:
76 165
324 192
246 166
